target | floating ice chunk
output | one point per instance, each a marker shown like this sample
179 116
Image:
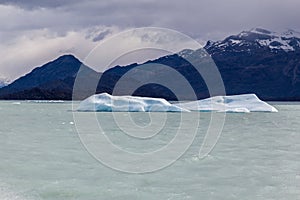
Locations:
108 103
237 103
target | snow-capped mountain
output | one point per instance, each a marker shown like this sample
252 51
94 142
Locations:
258 38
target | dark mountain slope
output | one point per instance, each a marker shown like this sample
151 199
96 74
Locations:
53 80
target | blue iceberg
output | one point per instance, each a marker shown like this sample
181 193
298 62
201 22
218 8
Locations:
237 103
107 103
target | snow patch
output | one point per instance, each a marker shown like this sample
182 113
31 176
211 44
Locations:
291 34
192 54
235 41
287 41
284 44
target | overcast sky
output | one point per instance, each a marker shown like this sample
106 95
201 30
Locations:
36 31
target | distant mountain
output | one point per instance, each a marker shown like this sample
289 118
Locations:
256 39
260 61
256 61
53 80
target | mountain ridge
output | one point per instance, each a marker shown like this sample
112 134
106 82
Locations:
53 80
256 61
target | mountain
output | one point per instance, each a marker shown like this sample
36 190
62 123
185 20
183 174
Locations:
258 39
256 61
53 80
153 72
261 62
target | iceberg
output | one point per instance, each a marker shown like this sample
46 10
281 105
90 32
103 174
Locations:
107 103
236 103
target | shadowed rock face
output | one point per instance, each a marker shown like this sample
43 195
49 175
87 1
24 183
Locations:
257 61
53 80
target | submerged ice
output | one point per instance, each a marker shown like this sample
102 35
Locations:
236 103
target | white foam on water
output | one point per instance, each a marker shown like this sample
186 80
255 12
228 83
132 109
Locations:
7 194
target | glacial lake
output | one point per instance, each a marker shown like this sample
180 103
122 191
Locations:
42 156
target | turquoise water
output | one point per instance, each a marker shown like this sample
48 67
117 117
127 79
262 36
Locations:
42 157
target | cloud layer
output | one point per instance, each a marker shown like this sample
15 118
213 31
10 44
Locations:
34 31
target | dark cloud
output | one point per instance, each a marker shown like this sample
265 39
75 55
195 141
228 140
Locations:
101 35
198 18
32 4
